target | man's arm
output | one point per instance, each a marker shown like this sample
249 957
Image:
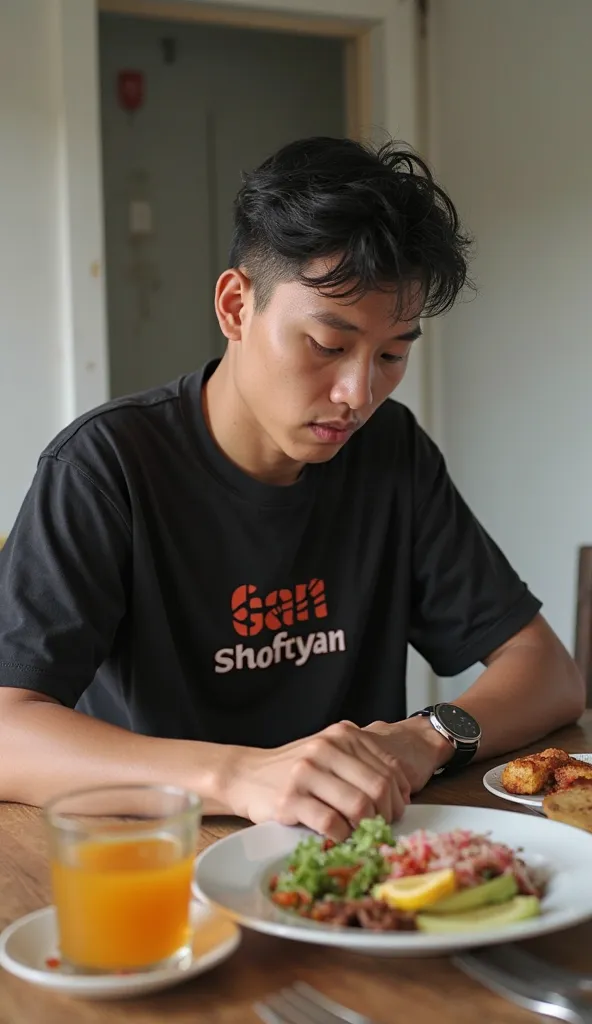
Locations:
47 749
329 781
469 606
531 686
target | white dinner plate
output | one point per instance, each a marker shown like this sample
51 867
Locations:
28 944
492 780
233 876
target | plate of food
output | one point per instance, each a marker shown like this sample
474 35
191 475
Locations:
528 780
441 879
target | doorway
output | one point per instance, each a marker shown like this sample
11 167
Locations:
217 99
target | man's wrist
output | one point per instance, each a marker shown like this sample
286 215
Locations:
218 768
441 750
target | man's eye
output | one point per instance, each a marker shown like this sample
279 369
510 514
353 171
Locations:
390 358
322 350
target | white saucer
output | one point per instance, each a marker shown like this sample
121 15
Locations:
492 780
28 943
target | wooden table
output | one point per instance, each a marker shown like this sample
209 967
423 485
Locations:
425 991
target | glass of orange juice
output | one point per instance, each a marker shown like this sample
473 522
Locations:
121 860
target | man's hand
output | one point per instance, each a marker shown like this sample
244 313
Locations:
328 782
415 746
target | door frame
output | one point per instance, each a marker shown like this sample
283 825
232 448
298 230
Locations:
355 33
381 94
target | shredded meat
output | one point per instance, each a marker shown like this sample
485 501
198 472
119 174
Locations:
363 913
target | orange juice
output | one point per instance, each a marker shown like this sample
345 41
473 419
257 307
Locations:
122 904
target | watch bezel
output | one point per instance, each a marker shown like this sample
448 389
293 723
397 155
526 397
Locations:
457 737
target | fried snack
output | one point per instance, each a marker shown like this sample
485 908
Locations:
527 775
554 757
551 769
535 772
572 805
573 771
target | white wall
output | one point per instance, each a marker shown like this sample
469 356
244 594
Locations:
51 292
30 356
511 82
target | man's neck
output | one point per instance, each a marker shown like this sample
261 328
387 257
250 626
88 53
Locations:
238 435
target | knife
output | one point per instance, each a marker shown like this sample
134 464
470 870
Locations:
530 982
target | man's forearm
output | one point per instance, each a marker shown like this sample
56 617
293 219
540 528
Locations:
46 749
528 690
530 687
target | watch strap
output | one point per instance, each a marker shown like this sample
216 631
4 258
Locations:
463 755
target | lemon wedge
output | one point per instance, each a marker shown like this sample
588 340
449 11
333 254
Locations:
416 891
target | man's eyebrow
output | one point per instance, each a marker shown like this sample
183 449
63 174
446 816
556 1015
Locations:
340 323
410 335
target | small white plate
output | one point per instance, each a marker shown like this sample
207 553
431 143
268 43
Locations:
233 875
492 780
28 943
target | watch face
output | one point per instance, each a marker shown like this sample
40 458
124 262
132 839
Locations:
462 725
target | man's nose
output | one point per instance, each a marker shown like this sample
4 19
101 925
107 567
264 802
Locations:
353 386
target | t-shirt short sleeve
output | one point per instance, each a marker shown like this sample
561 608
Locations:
63 576
467 600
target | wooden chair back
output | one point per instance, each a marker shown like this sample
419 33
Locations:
583 640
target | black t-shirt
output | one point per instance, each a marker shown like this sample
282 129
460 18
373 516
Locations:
151 583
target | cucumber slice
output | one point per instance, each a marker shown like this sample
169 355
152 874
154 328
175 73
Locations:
520 908
497 890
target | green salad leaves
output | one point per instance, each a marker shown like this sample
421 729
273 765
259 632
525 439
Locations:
347 869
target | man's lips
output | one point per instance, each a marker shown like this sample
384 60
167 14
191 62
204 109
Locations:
334 431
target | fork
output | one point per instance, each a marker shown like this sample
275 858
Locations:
524 979
302 1004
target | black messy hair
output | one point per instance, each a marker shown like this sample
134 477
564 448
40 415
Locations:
377 214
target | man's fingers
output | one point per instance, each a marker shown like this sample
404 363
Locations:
305 809
358 764
329 785
391 764
364 769
367 749
339 777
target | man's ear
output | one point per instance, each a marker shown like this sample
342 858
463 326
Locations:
233 289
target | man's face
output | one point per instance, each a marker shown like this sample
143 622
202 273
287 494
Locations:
311 369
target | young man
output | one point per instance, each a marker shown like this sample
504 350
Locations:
224 573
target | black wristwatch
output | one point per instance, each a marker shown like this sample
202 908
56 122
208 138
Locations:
460 729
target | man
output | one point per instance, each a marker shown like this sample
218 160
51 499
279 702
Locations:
223 574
